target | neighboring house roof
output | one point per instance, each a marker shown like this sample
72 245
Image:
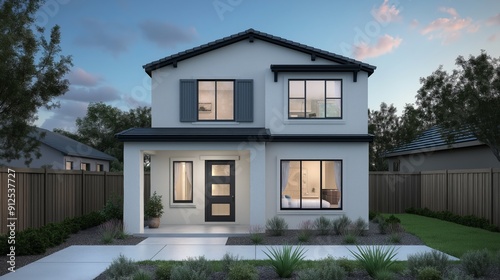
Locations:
252 34
431 140
258 134
71 147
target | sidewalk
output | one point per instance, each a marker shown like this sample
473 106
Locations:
87 262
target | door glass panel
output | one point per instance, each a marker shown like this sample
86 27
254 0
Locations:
221 189
220 209
221 170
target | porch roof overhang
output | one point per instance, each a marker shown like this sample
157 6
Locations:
254 134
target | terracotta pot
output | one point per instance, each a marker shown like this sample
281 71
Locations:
154 222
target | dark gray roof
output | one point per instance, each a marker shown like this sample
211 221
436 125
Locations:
251 35
71 147
431 139
259 134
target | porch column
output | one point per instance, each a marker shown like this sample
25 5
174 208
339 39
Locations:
133 188
258 185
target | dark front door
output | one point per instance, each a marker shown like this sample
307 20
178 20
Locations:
219 191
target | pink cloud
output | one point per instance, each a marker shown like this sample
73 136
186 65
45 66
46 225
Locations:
79 76
493 38
386 12
494 20
449 29
385 44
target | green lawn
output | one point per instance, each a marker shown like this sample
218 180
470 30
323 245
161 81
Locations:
451 238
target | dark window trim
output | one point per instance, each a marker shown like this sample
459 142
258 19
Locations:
341 206
86 164
305 99
173 182
215 105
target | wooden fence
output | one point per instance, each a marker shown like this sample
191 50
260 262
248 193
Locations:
463 192
44 196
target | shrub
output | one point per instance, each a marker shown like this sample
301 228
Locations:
470 220
348 265
4 245
476 263
326 269
256 234
429 273
349 237
111 230
113 208
91 219
393 220
372 215
360 226
457 274
72 225
395 237
378 218
193 269
322 225
286 259
164 270
496 259
55 233
31 242
276 226
242 271
121 267
374 259
435 259
141 275
227 260
341 224
306 230
383 227
384 274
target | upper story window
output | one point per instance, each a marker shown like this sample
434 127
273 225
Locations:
216 100
85 166
99 167
69 165
314 99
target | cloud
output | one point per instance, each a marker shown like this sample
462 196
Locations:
132 102
493 37
113 38
65 116
494 20
92 94
414 23
166 35
449 29
386 12
385 44
80 77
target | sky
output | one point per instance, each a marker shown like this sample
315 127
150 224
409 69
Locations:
111 40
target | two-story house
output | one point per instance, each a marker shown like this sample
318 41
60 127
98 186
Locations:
249 127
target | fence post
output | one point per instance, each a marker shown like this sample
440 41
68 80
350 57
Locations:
105 186
83 184
45 183
447 189
491 196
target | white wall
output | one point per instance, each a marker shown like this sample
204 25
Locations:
354 158
244 60
194 213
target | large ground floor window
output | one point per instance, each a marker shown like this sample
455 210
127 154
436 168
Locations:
311 184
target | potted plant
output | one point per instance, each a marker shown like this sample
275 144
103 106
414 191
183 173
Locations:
154 210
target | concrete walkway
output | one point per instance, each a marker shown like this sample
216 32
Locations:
87 262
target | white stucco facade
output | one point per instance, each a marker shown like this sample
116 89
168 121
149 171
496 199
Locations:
257 159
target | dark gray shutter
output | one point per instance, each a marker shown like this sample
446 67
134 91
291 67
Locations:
188 107
243 90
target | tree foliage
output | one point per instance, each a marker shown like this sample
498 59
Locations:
391 131
99 126
467 100
31 76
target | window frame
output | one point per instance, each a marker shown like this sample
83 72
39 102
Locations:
174 201
101 167
341 98
86 164
66 165
215 103
341 204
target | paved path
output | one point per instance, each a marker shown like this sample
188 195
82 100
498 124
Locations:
87 262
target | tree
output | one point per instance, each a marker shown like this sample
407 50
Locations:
466 100
383 124
31 76
99 126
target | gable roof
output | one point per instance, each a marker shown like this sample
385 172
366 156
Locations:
431 140
70 147
251 35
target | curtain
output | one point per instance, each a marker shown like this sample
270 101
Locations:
338 177
285 171
177 180
189 184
